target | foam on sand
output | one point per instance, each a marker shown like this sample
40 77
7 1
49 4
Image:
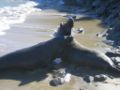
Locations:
14 15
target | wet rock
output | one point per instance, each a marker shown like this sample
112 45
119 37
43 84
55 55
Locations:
113 54
100 78
109 42
116 60
96 78
59 73
54 82
57 81
88 79
60 77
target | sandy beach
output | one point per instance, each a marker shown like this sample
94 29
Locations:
39 27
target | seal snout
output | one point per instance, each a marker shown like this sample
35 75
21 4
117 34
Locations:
70 22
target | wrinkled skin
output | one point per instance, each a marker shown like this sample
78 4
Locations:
40 55
79 55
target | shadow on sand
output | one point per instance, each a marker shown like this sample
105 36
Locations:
25 77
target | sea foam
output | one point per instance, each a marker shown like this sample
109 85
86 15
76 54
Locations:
14 15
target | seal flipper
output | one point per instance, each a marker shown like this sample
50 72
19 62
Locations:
116 69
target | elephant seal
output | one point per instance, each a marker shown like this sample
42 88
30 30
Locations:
65 28
36 56
77 54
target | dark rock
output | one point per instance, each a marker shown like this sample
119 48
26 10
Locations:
109 42
88 79
113 54
100 78
97 78
57 81
54 82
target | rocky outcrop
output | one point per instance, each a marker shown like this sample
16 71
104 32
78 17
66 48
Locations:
107 10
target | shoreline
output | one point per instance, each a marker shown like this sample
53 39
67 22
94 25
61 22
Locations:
35 29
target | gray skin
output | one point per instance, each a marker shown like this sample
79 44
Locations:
37 56
65 28
79 55
82 56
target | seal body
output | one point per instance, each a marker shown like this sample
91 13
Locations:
36 56
82 56
77 54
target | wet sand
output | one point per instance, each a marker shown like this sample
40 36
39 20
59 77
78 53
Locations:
39 27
